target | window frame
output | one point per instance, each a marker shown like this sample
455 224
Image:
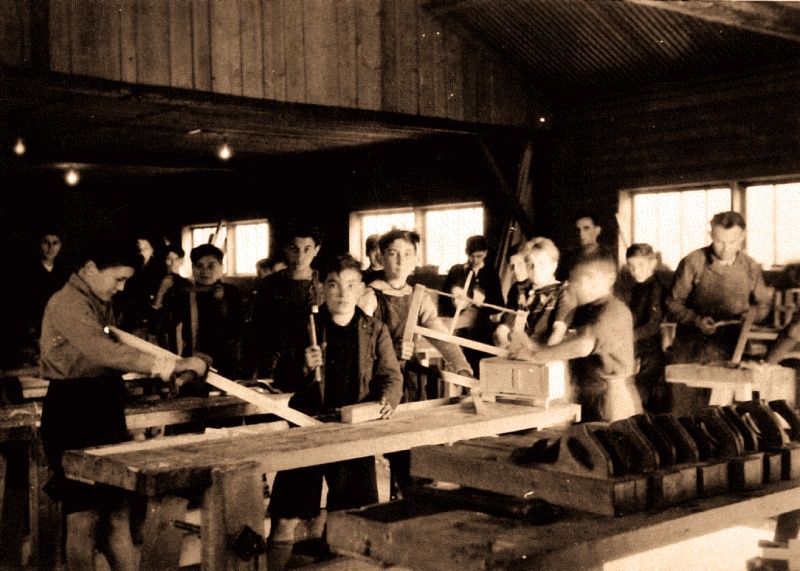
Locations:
229 248
738 188
357 238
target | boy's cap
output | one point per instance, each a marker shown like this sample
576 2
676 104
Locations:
640 249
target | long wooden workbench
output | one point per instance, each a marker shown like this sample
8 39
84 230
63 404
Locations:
229 468
442 540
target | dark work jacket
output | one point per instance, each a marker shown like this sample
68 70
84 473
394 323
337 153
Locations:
378 370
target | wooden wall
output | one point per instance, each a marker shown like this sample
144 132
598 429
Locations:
724 128
383 55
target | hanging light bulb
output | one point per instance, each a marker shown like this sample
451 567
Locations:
224 152
72 177
19 147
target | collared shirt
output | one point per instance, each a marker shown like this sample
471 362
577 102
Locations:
74 343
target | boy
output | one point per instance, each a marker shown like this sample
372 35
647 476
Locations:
375 269
474 322
285 299
645 298
601 354
389 299
207 316
85 401
548 302
358 362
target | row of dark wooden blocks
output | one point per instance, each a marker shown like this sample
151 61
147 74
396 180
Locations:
645 461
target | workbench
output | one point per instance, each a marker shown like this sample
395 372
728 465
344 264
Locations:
427 539
229 468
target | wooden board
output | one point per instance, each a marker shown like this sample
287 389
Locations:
484 463
468 540
155 472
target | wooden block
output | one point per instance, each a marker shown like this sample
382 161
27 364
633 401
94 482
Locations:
712 478
673 485
746 472
361 412
501 376
773 467
790 456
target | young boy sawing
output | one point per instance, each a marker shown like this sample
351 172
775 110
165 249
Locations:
601 354
358 364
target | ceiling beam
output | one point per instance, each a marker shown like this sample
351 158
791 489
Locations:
777 19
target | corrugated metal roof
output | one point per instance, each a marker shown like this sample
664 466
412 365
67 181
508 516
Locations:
601 45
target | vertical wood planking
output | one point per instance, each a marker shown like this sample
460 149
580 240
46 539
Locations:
293 33
201 44
61 48
152 42
226 52
407 54
107 55
469 84
390 29
368 53
320 47
426 53
439 96
127 41
14 34
346 53
274 52
252 49
82 33
485 88
452 74
180 45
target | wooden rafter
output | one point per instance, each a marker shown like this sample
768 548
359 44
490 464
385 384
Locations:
779 19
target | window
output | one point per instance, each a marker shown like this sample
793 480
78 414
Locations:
443 230
244 243
676 221
773 223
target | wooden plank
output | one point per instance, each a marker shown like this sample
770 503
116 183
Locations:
128 62
294 50
469 540
226 53
320 46
107 53
453 74
368 53
263 402
366 411
60 44
180 45
252 49
152 43
346 42
407 78
201 44
154 472
234 500
274 54
14 34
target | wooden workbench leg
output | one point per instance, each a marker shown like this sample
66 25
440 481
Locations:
162 544
46 519
234 500
788 526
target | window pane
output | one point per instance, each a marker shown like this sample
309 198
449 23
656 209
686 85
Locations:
675 223
773 223
760 205
787 224
252 244
447 232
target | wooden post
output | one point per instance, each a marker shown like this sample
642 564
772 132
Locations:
234 500
161 548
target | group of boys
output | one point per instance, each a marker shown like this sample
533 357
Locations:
332 341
